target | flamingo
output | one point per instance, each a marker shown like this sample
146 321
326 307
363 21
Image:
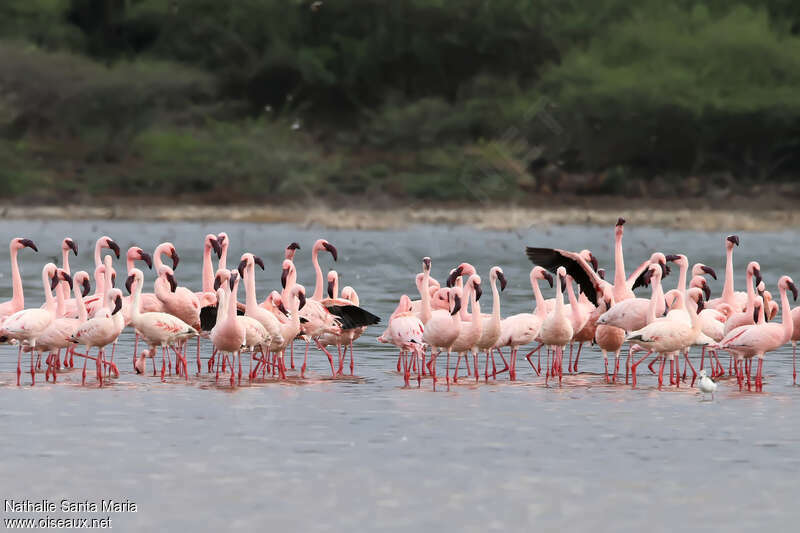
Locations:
177 300
228 334
746 317
17 301
96 300
56 336
608 338
523 328
556 331
492 327
290 329
99 332
631 314
267 320
471 329
442 328
621 289
156 328
27 325
405 330
756 340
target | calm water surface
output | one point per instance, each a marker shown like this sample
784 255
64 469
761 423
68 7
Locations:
366 454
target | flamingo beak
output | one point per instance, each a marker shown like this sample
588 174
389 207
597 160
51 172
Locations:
114 247
502 279
709 271
29 244
793 288
86 287
172 283
302 297
648 275
601 272
72 246
593 261
332 249
427 262
330 289
282 309
147 258
665 270
217 283
216 247
549 278
734 239
284 276
755 314
260 262
672 257
113 278
706 291
175 259
478 292
700 305
66 277
128 283
757 273
456 305
620 221
117 305
293 246
54 281
563 280
232 281
241 266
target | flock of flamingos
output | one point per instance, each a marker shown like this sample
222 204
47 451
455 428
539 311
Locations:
444 320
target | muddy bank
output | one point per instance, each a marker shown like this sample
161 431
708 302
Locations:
677 216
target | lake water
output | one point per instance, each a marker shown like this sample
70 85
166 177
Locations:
366 454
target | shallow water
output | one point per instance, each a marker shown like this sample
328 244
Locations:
366 454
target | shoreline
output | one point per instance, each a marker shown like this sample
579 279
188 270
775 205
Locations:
501 218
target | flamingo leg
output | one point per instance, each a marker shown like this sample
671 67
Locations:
305 360
605 361
353 364
577 356
327 353
694 373
19 364
199 368
794 362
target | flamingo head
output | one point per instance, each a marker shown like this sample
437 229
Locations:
731 241
538 273
786 283
222 276
68 245
497 273
454 275
169 275
211 243
234 279
19 243
699 269
173 253
108 242
115 300
620 223
63 275
330 248
137 254
291 250
287 269
82 278
660 259
455 302
589 257
222 240
475 282
701 283
333 281
678 259
754 269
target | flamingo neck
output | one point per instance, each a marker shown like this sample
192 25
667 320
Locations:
656 294
727 289
475 313
318 272
682 279
751 294
223 257
232 302
425 293
541 306
495 303
50 303
97 247
786 320
208 273
65 261
17 297
619 262
82 314
250 301
60 299
573 304
559 309
137 295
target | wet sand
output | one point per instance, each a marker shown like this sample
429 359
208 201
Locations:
678 215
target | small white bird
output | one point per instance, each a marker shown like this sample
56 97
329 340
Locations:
706 384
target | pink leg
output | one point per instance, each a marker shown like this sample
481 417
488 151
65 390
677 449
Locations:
327 353
759 376
19 364
661 371
689 364
291 354
305 360
199 368
455 372
794 362
569 365
577 356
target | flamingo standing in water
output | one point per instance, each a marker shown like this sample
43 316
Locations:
524 328
471 329
228 334
267 320
156 328
556 331
289 329
631 314
621 289
756 340
17 301
405 330
443 327
27 325
99 332
746 317
95 301
57 335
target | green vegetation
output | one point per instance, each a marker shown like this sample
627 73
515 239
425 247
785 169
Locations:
434 99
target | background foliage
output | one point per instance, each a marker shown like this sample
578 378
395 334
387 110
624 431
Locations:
440 99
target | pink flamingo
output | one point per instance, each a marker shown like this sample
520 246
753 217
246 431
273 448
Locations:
737 300
56 336
96 300
442 329
289 329
27 325
746 317
405 330
267 320
228 334
348 335
492 324
556 331
178 301
224 242
156 328
756 340
99 332
320 245
17 301
471 329
523 328
631 314
621 289
608 338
